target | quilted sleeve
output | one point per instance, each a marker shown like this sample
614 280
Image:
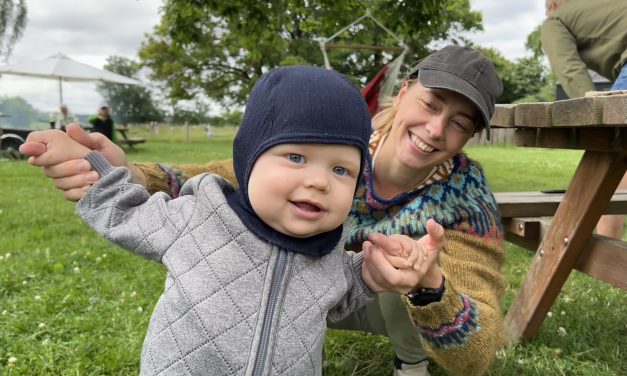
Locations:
358 293
126 214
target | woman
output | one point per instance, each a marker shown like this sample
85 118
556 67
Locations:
452 315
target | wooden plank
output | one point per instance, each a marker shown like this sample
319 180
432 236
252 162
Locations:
538 204
503 116
593 184
594 139
535 115
578 112
523 227
615 110
602 258
605 259
526 240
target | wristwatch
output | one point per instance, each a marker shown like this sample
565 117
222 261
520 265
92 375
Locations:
425 295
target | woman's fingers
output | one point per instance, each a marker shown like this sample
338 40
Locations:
402 251
75 181
435 240
68 168
79 135
76 193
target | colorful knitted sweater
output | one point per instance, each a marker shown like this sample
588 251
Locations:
462 332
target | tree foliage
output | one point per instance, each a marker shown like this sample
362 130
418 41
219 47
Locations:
220 48
130 104
21 114
13 18
523 78
534 43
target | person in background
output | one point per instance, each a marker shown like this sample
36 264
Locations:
103 122
64 117
578 35
453 316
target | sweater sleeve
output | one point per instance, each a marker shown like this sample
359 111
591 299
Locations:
126 214
560 47
170 178
463 331
358 293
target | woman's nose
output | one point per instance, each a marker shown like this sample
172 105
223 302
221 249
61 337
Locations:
436 126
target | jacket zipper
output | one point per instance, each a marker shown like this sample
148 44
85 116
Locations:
275 286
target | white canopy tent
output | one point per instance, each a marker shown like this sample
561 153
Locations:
63 68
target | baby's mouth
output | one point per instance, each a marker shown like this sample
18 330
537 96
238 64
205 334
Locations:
306 206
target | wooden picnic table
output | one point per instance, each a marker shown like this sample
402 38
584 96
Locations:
126 139
597 125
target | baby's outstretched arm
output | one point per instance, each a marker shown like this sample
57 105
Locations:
399 263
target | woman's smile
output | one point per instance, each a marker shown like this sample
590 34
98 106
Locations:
421 144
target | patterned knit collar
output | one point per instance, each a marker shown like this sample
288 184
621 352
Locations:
439 173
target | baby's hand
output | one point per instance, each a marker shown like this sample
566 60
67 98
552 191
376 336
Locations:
399 263
50 147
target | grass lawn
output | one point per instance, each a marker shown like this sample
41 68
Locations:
72 303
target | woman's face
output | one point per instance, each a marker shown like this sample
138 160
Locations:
430 126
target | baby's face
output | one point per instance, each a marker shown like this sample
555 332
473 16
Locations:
303 190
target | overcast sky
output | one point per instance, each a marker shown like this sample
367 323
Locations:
90 31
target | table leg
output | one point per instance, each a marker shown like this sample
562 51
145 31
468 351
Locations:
591 188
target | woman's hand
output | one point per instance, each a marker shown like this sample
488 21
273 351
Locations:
401 264
71 173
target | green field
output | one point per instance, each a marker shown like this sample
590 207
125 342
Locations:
71 303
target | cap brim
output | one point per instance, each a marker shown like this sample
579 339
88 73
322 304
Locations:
437 79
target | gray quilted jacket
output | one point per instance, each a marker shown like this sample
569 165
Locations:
233 304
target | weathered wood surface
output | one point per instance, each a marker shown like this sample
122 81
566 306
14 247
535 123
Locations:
604 110
592 187
602 258
538 204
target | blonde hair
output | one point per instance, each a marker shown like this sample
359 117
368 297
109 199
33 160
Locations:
382 121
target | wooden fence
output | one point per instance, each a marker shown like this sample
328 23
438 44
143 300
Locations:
498 136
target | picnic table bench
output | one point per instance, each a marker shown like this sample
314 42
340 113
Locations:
126 139
597 125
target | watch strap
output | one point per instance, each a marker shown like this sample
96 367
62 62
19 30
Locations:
426 295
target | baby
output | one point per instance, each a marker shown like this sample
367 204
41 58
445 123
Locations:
253 273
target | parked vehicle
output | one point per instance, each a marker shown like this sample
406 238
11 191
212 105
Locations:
10 141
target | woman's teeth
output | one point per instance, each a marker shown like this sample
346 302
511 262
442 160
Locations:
421 145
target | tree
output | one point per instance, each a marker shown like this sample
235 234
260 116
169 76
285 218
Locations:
13 18
220 48
523 78
534 43
21 113
227 119
131 104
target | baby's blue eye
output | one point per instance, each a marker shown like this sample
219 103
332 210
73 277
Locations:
296 158
338 170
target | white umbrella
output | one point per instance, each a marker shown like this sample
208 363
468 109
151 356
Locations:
63 68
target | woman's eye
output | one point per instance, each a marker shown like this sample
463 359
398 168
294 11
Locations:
338 170
428 105
296 158
460 126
